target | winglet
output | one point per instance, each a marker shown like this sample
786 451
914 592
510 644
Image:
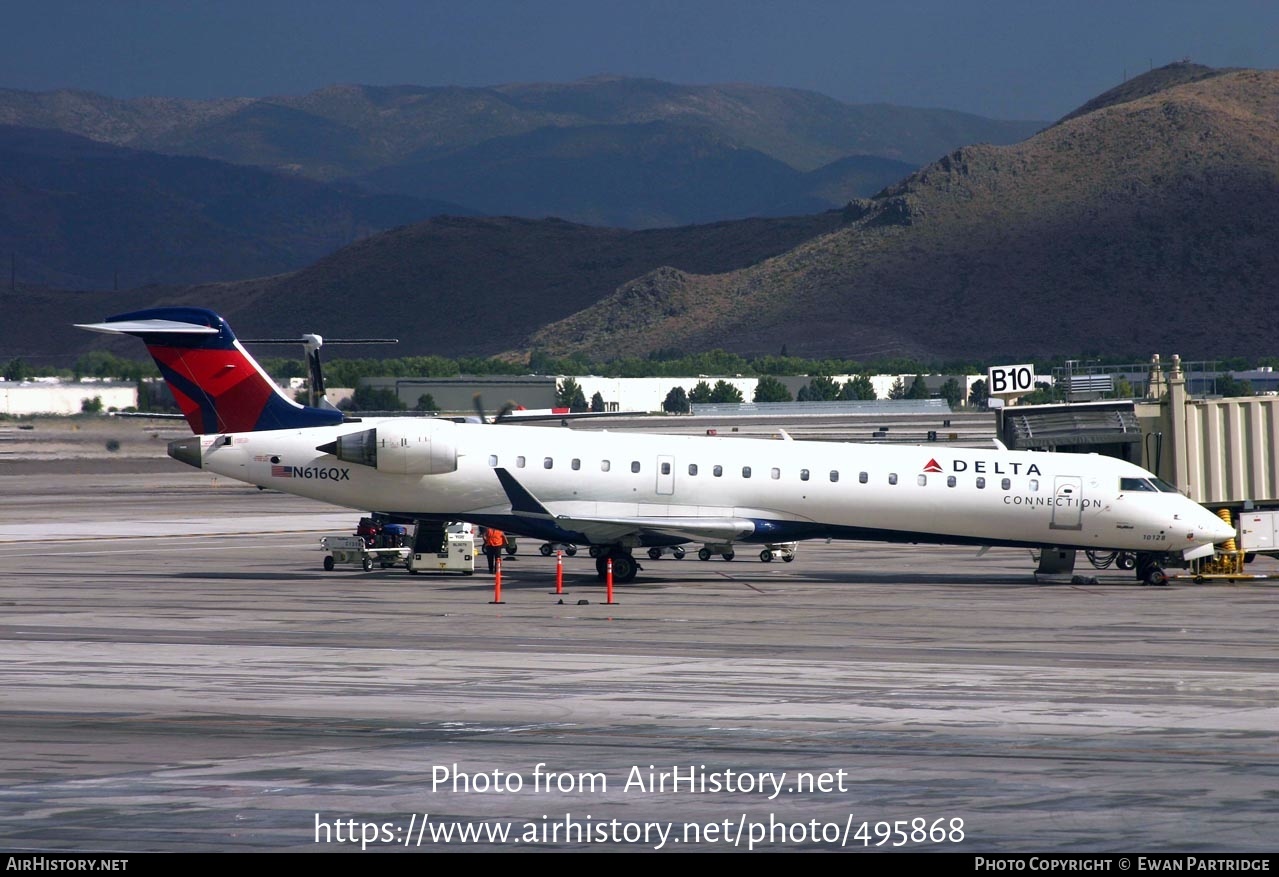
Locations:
522 502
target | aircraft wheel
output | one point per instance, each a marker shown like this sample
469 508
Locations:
368 564
703 554
571 551
654 553
624 568
511 549
788 557
1156 577
729 555
1125 560
766 556
328 563
594 551
678 552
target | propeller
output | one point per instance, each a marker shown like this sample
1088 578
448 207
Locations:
502 413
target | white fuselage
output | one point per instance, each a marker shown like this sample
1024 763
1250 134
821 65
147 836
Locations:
795 489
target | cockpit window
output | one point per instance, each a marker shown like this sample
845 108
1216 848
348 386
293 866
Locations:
1164 486
1133 485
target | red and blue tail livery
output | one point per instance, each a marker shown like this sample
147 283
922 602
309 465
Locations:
217 384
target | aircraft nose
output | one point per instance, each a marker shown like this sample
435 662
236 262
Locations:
1218 529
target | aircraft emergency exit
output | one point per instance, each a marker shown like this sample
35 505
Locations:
617 492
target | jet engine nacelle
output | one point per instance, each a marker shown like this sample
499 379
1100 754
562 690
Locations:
399 450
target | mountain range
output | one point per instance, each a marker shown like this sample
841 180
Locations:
635 153
1148 223
1144 221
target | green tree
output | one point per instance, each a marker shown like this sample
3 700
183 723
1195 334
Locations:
1043 394
676 401
769 389
820 389
952 392
979 394
16 370
597 402
1230 386
569 395
91 406
700 393
723 391
918 388
426 402
366 398
857 387
897 390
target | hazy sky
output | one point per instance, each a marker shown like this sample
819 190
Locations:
1025 59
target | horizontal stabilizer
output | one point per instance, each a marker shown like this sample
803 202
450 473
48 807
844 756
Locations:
148 327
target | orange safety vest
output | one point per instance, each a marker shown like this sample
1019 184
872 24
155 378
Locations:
494 538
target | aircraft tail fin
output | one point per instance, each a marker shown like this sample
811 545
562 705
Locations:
217 384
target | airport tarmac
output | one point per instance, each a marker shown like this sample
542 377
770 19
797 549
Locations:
179 674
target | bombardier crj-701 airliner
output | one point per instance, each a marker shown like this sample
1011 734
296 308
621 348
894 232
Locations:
617 492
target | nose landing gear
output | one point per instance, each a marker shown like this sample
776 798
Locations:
1149 572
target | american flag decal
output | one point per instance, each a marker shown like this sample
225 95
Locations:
281 471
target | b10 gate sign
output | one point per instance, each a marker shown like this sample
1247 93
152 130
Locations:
1006 381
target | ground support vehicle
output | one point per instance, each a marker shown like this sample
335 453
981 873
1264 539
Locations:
354 550
724 550
455 555
784 550
549 548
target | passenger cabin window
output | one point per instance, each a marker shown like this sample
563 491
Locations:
635 467
692 468
775 473
1006 484
519 462
892 477
492 459
1034 484
863 477
548 463
834 475
717 471
576 464
950 480
981 483
666 468
746 471
921 480
1133 485
605 465
803 474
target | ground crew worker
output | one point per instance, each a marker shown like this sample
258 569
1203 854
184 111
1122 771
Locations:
494 542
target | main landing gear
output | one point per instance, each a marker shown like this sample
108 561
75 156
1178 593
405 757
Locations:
624 565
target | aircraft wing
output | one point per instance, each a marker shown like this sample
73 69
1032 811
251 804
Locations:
690 528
